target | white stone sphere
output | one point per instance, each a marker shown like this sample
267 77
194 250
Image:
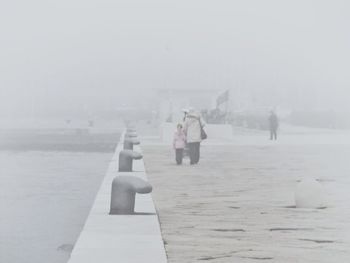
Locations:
309 194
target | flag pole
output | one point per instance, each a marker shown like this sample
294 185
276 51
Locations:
226 107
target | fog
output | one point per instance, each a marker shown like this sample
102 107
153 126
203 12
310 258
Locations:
92 55
243 105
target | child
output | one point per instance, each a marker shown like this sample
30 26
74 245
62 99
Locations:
179 143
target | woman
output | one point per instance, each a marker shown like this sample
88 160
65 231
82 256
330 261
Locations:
192 129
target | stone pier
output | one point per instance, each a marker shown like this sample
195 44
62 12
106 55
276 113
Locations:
134 238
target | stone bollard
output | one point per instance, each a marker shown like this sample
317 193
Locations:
129 143
126 158
130 135
130 130
124 189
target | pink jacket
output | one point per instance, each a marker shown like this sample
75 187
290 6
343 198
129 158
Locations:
179 140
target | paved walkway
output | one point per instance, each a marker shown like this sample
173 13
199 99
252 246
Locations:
236 205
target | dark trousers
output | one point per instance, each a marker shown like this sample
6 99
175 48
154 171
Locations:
194 152
273 134
179 155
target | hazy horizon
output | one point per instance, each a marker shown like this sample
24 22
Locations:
97 55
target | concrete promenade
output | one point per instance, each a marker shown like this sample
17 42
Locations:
237 204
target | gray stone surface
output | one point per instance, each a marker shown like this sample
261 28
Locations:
237 204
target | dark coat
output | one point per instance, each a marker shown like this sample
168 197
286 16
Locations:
273 121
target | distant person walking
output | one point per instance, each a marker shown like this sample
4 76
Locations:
273 125
179 144
193 130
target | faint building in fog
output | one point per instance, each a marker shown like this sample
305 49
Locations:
171 102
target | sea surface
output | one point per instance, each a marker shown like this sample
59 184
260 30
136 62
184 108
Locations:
45 197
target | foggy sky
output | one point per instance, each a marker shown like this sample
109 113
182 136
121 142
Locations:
57 54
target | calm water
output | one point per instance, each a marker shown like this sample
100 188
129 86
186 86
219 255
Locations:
45 198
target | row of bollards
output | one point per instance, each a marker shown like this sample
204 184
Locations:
125 187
